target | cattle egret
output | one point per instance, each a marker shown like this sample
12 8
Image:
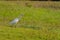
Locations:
16 20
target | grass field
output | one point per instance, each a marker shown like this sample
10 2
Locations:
36 24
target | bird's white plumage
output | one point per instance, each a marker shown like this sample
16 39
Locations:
15 21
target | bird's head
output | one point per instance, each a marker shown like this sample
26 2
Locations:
21 15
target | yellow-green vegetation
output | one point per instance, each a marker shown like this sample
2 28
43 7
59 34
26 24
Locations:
36 24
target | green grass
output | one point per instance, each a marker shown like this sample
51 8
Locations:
36 24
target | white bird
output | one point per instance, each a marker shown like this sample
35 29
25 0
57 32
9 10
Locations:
16 20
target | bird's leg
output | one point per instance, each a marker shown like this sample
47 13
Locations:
15 26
